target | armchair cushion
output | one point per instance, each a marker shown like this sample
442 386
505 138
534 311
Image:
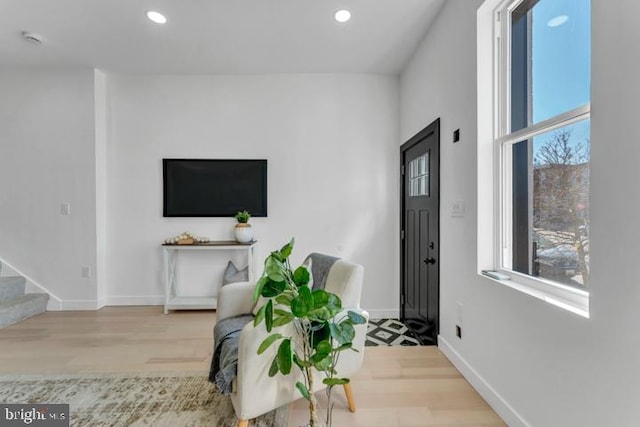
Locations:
234 299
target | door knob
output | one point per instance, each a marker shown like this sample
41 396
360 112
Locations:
430 261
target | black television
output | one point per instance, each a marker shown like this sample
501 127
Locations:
214 187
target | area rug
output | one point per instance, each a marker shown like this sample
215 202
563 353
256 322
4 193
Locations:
133 400
388 332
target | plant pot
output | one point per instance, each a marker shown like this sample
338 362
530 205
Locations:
243 233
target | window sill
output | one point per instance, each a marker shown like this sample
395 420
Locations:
573 300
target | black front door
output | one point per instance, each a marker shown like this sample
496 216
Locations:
420 287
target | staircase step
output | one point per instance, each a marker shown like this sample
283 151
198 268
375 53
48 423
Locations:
23 307
11 287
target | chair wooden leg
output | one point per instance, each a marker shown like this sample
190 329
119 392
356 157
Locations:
350 402
243 423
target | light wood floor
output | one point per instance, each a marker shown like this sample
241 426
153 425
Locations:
397 386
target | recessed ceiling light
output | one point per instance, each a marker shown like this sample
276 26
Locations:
556 21
156 17
342 15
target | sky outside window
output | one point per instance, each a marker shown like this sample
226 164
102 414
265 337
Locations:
561 58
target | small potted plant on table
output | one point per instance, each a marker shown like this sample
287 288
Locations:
243 230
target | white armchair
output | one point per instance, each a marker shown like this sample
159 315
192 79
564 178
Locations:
254 392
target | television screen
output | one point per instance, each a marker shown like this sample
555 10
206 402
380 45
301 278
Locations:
214 187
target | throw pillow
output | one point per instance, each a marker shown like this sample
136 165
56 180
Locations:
233 275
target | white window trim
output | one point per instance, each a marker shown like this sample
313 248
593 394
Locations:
491 208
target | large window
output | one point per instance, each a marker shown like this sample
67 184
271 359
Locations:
541 143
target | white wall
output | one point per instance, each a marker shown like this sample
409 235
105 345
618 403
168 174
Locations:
330 141
537 364
47 158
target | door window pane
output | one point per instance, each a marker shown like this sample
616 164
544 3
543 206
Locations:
419 176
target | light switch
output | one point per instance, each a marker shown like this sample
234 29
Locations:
457 209
65 209
85 272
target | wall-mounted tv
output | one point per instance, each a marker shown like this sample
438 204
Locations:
214 187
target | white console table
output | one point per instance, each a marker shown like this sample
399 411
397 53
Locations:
172 301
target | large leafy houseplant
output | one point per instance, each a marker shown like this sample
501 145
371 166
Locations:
321 331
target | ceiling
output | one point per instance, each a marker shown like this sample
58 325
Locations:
215 36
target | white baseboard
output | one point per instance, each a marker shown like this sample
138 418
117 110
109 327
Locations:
73 305
134 300
388 313
497 402
54 304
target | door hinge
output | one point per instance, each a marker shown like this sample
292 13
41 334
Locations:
402 234
402 170
402 299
